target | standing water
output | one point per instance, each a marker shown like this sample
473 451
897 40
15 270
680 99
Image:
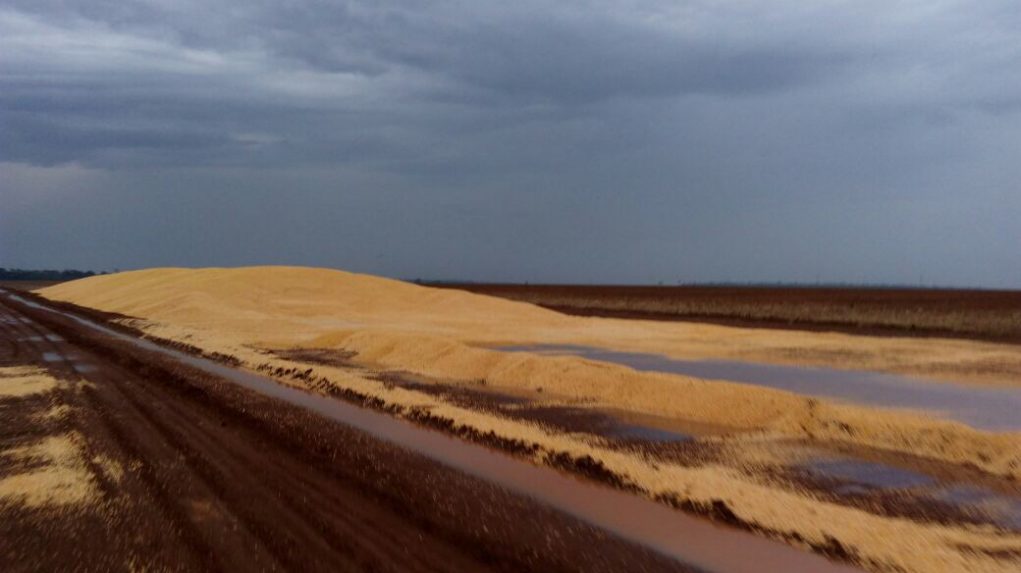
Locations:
997 409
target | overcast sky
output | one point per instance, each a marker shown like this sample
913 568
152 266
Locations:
616 141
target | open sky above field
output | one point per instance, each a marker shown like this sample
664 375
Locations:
636 141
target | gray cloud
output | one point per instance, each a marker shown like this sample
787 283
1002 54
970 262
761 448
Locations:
621 141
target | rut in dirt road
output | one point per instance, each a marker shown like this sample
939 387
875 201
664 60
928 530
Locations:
173 468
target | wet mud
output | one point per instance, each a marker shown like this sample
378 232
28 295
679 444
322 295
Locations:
215 477
670 533
873 488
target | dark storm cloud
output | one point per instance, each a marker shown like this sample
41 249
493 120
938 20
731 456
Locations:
128 61
629 141
50 141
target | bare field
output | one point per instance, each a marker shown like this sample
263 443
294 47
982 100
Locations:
27 285
975 314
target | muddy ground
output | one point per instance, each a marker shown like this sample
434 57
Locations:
182 471
911 488
788 467
957 313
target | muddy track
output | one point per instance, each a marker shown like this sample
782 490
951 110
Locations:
208 476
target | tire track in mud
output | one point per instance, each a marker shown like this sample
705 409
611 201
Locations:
215 473
171 491
94 421
160 413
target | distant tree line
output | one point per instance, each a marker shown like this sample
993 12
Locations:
43 275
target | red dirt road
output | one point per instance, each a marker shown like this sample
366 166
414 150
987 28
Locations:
194 473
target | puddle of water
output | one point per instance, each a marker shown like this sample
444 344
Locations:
869 474
997 409
597 422
54 338
82 368
52 357
648 523
675 428
632 432
1005 510
866 477
621 425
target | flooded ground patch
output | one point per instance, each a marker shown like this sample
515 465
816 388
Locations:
948 496
899 492
997 409
866 475
1006 510
616 427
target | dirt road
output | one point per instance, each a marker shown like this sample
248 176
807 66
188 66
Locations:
164 467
